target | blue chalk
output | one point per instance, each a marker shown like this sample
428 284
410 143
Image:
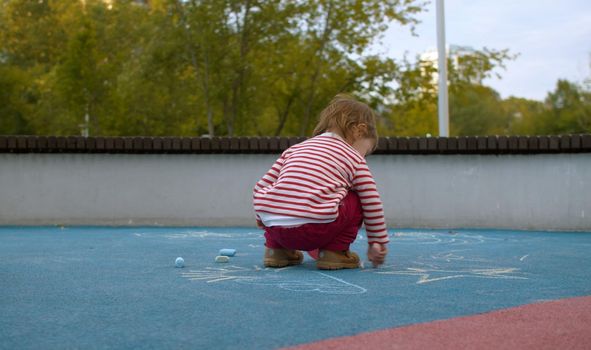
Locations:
227 252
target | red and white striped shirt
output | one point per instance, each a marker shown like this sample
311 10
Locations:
310 179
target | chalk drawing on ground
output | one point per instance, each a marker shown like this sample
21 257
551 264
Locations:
451 238
307 281
456 256
432 267
215 235
427 275
452 264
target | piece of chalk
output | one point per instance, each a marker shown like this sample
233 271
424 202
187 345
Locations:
221 259
227 252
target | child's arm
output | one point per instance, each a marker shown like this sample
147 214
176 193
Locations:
373 213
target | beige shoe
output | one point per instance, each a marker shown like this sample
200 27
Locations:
333 260
282 257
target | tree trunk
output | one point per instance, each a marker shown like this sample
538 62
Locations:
228 117
283 114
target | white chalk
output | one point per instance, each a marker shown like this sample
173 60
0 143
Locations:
227 252
222 259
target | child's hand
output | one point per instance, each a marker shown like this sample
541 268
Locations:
376 253
260 224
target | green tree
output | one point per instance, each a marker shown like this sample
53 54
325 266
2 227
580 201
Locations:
336 29
14 101
414 109
31 35
522 115
186 67
156 92
474 108
568 110
31 40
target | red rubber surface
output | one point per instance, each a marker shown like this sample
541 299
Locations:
562 324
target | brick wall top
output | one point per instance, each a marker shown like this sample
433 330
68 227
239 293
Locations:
215 145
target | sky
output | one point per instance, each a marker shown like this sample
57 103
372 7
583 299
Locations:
552 38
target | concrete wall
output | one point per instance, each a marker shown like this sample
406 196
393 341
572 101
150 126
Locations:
546 192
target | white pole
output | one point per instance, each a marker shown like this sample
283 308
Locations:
86 124
442 70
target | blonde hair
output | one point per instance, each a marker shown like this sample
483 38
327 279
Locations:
343 113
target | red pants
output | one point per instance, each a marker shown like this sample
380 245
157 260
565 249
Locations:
336 235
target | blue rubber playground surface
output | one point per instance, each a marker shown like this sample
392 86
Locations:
102 287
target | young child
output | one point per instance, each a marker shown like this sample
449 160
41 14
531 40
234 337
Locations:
320 191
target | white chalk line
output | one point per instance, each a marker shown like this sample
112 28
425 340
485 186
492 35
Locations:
216 235
426 279
425 274
272 277
343 281
222 279
456 238
281 268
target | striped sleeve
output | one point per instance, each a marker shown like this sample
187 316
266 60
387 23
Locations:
371 204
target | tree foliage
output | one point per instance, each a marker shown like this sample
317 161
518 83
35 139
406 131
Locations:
476 109
240 67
